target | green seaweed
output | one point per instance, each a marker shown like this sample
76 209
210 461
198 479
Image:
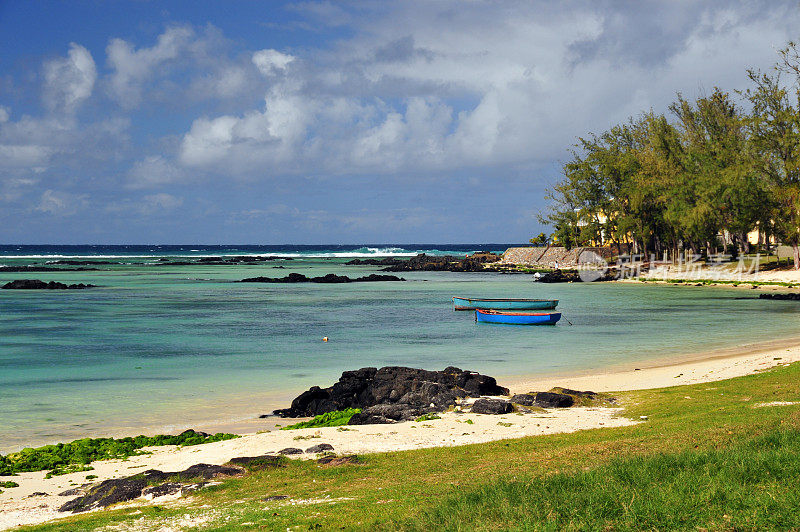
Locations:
336 418
61 456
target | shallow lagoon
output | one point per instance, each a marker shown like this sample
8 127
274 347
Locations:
171 346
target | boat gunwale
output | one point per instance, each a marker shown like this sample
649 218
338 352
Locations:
507 313
502 299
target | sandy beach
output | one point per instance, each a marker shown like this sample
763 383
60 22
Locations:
20 505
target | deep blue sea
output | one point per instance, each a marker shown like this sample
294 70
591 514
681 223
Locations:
162 348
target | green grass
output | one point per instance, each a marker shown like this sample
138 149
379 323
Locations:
336 418
741 487
706 458
63 458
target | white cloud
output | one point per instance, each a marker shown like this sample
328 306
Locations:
132 68
441 86
150 205
154 170
162 202
4 114
70 80
61 203
24 156
269 62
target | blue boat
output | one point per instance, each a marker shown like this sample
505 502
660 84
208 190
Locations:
517 318
472 303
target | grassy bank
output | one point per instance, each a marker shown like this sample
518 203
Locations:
708 456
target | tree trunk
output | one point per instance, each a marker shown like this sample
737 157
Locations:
796 250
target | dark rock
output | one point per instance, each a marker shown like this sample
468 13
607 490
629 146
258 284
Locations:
319 448
208 471
36 284
784 297
106 493
38 494
125 489
554 400
491 406
329 279
385 261
70 492
258 463
412 389
333 461
524 399
291 450
34 268
168 488
83 262
275 498
387 413
422 262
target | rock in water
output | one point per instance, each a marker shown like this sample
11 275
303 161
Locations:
491 406
330 278
401 390
36 284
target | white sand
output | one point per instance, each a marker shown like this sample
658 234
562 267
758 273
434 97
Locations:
18 507
720 365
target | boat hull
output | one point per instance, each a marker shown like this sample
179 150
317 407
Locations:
471 303
517 318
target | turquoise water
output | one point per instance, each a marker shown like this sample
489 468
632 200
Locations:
172 346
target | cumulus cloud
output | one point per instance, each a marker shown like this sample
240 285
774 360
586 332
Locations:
59 203
424 87
270 61
4 114
154 170
69 80
132 67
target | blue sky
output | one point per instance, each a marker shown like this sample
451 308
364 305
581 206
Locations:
334 122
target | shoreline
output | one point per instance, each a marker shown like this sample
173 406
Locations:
17 506
719 364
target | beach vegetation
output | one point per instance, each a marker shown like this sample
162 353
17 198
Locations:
428 417
336 418
63 458
9 484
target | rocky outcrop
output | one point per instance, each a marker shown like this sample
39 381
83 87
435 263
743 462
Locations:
36 284
38 269
544 400
319 448
258 463
330 278
563 398
782 297
491 406
290 450
393 393
422 262
151 482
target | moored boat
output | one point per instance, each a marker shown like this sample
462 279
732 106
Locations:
517 318
472 303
